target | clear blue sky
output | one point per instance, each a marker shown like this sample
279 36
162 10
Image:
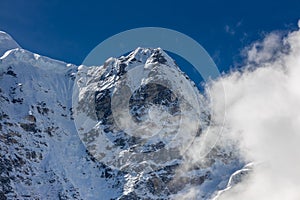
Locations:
68 30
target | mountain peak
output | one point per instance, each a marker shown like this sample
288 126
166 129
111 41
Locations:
149 55
7 43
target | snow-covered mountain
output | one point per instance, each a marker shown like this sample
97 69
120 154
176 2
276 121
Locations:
69 132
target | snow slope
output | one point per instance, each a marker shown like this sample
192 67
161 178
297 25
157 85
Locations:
6 43
41 154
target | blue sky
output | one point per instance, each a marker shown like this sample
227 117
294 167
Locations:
69 30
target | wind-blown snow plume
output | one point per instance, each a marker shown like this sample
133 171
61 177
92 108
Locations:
263 118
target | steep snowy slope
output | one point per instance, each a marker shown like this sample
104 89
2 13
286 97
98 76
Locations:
63 142
6 43
41 154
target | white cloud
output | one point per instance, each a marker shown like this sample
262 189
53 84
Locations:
263 116
263 51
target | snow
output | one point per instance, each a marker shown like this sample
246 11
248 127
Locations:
234 179
47 84
6 43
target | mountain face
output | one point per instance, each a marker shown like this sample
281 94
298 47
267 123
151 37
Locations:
116 131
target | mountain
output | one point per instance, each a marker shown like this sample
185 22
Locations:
116 131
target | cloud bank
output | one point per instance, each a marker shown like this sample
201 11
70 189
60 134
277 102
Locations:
263 117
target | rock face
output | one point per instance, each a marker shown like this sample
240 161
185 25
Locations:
116 131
